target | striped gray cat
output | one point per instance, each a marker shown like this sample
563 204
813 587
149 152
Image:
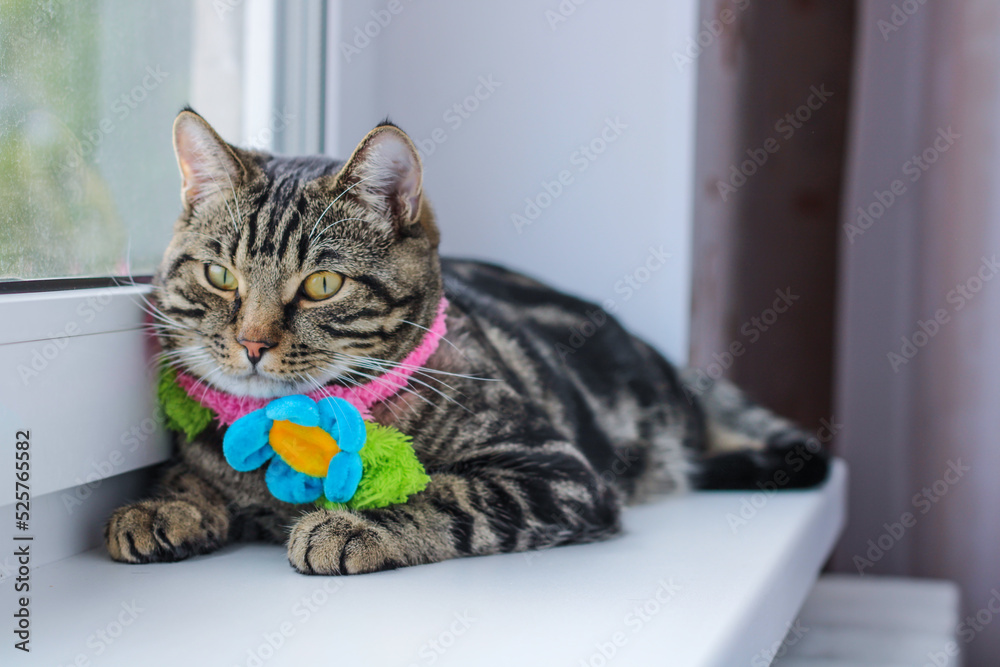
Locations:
285 275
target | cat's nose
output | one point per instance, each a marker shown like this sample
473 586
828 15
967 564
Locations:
255 348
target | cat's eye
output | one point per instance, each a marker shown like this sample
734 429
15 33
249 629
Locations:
221 277
322 285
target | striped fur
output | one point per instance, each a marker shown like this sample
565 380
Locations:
530 442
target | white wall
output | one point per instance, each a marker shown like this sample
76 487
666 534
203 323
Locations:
559 87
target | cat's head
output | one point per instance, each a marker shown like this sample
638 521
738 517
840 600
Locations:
289 273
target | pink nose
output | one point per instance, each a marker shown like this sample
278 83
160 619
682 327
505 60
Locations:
255 349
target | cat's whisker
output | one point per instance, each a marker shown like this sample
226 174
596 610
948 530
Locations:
457 349
156 313
128 263
313 382
410 407
204 381
191 360
232 188
162 324
354 383
145 304
160 327
335 223
236 227
171 356
381 368
163 329
164 334
413 367
440 393
404 388
420 369
166 354
384 369
415 393
191 351
313 231
304 378
207 236
236 201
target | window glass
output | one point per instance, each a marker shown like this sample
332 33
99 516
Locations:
88 93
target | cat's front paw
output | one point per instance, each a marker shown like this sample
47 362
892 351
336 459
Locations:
340 542
163 530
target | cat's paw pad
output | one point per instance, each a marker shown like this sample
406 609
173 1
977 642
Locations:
338 542
162 531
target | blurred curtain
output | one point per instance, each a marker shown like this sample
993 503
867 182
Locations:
773 97
881 211
918 388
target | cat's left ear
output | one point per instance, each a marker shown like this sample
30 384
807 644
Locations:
209 166
385 174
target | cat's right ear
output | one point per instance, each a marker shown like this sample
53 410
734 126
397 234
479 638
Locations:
384 174
208 164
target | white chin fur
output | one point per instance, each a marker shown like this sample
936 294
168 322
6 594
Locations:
258 385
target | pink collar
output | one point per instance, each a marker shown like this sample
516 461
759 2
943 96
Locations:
228 408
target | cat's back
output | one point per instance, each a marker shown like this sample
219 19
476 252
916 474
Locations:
558 339
495 287
606 389
528 309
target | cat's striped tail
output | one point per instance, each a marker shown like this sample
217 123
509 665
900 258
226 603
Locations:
750 447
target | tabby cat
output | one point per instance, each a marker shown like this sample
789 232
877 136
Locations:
286 275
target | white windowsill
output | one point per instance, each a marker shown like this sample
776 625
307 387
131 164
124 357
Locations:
735 596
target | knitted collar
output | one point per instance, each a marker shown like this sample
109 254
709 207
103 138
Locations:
228 408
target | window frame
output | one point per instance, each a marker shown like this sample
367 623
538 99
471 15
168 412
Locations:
78 351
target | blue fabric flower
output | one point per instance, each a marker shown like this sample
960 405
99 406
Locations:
267 435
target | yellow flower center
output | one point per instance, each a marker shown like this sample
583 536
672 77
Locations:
307 449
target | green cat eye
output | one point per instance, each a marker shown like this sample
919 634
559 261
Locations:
221 277
322 285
